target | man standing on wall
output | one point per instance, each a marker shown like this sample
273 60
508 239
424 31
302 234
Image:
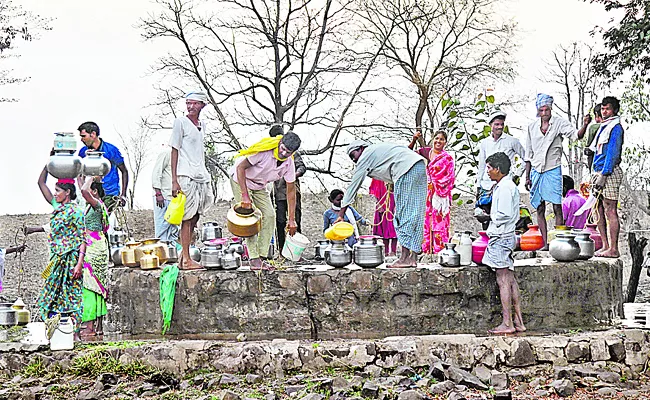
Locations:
89 133
496 142
161 181
189 173
607 174
280 194
544 158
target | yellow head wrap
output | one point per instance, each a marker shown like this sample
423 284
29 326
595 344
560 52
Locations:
267 143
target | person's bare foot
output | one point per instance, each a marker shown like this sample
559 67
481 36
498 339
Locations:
609 254
502 330
257 265
189 265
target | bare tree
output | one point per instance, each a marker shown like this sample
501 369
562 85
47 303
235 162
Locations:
442 47
267 61
16 24
137 147
571 68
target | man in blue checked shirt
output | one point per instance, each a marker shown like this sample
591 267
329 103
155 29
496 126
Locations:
89 133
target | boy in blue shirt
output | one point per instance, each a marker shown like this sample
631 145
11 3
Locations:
607 174
351 215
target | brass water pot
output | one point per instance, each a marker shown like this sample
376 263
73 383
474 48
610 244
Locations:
149 260
23 316
244 225
127 253
157 247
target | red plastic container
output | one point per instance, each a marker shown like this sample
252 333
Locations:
532 239
478 247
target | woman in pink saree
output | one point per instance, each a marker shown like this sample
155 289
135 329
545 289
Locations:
440 178
384 215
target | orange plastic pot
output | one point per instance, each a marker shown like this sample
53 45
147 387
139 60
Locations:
532 239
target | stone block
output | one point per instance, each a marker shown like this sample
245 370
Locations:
465 378
577 351
482 373
599 350
442 387
616 350
606 392
370 390
499 380
410 395
609 377
521 354
373 371
563 387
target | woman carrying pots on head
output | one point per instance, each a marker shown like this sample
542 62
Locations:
95 265
265 161
351 215
62 291
440 183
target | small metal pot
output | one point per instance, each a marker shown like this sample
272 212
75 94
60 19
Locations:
368 253
449 257
564 247
338 254
116 255
319 249
210 231
211 255
231 259
195 253
7 315
172 252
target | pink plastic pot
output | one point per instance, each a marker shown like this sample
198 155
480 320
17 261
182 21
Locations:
595 235
479 246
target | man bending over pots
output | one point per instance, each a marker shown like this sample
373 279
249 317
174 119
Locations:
504 215
265 161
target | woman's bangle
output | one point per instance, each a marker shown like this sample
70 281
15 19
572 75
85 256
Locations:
82 252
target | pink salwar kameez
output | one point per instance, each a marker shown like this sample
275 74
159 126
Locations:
440 178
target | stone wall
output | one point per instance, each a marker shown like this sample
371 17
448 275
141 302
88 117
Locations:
345 303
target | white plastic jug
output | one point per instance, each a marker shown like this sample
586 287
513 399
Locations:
294 246
63 338
464 248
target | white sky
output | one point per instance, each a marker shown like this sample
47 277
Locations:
93 66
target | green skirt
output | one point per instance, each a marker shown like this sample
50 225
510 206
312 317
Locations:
94 306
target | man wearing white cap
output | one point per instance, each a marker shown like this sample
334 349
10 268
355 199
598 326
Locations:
544 159
393 163
495 143
189 173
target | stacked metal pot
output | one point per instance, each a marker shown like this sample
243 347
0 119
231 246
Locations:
572 246
65 164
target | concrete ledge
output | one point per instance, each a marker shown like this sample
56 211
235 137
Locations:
368 303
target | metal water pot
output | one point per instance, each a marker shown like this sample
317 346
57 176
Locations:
210 231
338 254
449 257
564 247
63 165
117 238
244 225
116 255
127 254
7 315
587 245
158 248
195 253
23 316
149 260
319 249
368 252
172 251
212 253
94 164
231 260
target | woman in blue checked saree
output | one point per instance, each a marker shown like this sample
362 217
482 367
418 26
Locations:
62 291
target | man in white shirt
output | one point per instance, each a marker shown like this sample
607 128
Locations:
498 255
189 173
161 181
496 142
544 159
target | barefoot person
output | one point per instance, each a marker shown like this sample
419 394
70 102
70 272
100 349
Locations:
544 159
393 163
62 292
504 215
95 270
189 174
265 161
607 174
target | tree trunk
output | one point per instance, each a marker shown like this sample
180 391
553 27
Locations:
637 248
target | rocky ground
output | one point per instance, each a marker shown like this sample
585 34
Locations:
95 372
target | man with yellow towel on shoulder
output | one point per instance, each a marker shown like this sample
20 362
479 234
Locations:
265 161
